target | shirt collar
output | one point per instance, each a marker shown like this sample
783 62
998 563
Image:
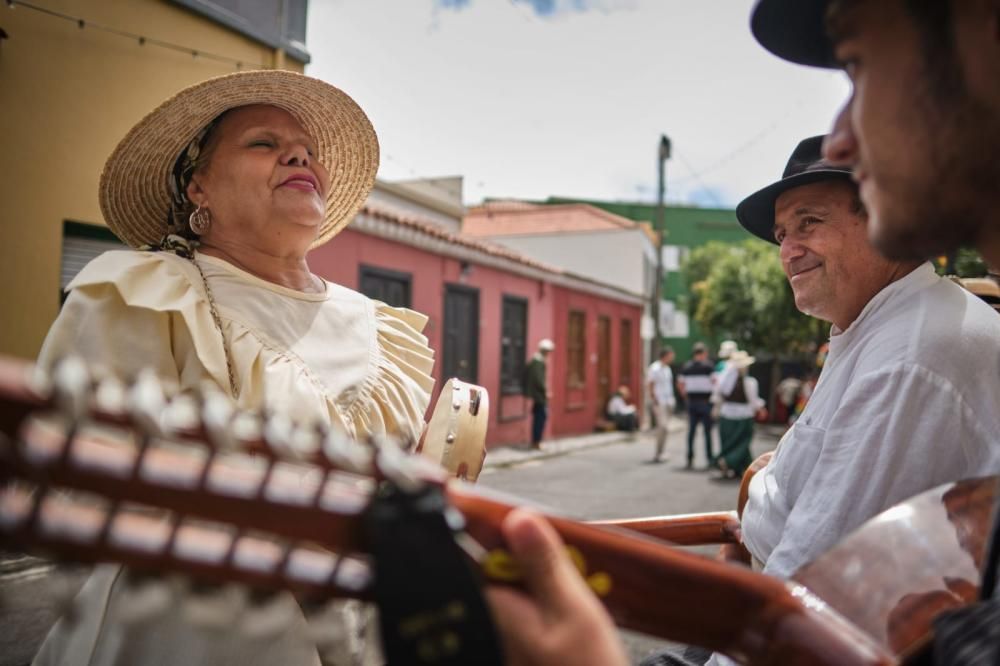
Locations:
919 278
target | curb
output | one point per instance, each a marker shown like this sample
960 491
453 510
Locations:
510 456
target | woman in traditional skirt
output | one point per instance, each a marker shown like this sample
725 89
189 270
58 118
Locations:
738 394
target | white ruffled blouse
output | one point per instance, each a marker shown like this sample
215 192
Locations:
337 357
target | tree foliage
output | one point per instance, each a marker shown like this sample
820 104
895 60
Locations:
966 262
740 292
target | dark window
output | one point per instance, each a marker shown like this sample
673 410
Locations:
625 349
576 348
513 344
81 244
390 287
280 25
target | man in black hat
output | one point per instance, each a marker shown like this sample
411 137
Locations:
881 412
921 133
878 426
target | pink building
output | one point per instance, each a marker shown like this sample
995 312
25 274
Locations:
489 306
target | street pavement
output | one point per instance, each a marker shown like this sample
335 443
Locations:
607 476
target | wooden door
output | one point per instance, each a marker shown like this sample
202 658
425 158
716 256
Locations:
460 338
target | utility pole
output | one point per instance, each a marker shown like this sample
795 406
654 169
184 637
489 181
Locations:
661 231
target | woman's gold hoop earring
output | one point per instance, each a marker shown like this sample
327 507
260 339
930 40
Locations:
200 221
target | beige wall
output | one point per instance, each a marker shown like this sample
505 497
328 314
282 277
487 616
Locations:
66 97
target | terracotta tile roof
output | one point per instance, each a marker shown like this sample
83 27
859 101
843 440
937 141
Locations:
437 231
505 218
493 252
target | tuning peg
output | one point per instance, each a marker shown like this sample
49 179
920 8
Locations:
213 606
268 614
344 453
110 395
305 441
217 414
146 401
39 381
181 413
278 428
146 596
246 426
72 387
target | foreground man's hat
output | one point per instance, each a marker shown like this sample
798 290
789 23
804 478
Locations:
805 166
794 30
135 191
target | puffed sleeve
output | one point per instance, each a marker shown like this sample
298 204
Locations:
128 310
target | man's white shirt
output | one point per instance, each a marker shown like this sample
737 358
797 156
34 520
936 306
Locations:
907 400
662 378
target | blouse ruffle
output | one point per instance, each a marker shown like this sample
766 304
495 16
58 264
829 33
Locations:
391 398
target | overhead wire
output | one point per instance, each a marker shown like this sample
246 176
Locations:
141 40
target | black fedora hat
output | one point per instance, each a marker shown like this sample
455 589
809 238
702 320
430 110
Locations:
806 165
794 30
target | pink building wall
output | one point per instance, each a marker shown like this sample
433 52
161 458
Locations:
548 307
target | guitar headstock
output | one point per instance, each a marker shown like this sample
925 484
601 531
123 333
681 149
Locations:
162 480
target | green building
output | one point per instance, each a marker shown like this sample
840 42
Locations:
686 228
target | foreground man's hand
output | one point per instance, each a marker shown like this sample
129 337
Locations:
557 619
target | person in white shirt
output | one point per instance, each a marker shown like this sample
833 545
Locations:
621 411
899 407
740 402
660 392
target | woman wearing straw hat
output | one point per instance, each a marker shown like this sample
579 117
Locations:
223 189
740 402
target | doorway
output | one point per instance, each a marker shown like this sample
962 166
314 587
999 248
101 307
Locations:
460 338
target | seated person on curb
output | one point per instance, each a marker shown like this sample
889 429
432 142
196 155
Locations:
621 412
899 407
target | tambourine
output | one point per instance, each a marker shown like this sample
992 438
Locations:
455 436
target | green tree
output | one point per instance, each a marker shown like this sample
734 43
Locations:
698 266
741 292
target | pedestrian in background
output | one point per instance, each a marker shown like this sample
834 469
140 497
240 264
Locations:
696 383
740 402
660 391
536 388
726 348
621 411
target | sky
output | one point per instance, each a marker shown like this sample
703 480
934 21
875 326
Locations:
534 98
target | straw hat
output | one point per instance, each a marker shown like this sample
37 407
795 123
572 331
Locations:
741 359
726 348
134 190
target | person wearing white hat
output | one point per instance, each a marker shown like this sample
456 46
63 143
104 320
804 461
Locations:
221 191
536 389
726 348
739 402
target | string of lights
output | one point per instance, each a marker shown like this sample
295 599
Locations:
141 40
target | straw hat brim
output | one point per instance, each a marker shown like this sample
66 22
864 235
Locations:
134 189
741 359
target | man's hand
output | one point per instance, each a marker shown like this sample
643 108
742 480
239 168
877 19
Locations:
557 620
